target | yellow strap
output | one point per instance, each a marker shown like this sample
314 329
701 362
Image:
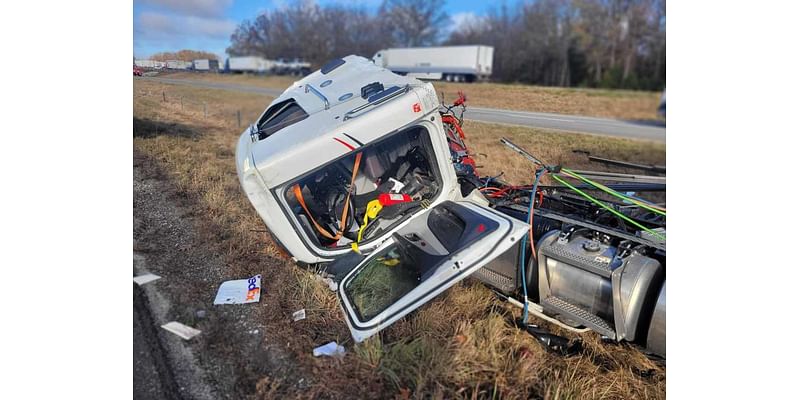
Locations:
373 208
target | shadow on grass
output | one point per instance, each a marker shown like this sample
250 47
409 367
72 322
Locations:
146 128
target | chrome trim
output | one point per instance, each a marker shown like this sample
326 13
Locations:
319 94
351 113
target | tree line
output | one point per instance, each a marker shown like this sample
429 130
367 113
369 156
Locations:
183 55
588 43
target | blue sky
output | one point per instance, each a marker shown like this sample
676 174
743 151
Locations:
171 25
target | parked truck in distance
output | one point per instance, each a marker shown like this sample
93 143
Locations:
260 65
448 63
205 65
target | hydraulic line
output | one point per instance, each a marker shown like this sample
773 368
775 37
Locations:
606 189
613 211
524 245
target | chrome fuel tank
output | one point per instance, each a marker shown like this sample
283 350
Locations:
657 335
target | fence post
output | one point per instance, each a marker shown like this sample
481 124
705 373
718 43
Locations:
239 118
164 96
205 111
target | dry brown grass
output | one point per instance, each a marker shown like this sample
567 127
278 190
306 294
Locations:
620 104
460 345
553 148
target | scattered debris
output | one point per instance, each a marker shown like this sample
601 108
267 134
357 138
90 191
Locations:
331 349
554 343
332 285
185 332
240 291
142 279
200 313
299 315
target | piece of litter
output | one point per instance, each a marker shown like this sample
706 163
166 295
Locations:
240 291
185 332
331 349
142 279
298 315
332 285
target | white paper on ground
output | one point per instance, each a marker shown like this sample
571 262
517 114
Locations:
240 291
185 332
330 349
298 315
142 279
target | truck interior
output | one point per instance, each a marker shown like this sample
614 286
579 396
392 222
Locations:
329 204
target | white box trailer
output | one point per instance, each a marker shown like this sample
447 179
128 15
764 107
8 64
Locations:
206 65
450 63
248 64
177 64
144 63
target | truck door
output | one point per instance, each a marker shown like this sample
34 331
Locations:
435 250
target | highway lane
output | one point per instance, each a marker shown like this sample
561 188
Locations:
648 130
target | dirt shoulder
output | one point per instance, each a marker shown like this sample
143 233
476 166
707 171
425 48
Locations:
230 356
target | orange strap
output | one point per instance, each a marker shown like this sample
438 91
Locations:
299 195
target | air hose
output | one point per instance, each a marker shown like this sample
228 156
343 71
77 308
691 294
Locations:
524 245
613 211
606 189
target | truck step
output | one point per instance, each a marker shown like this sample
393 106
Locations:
560 306
497 280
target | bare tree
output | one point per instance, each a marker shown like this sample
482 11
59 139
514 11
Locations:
413 22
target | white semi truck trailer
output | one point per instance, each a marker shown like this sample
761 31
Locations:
449 63
206 65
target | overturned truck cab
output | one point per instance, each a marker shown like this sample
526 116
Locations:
363 172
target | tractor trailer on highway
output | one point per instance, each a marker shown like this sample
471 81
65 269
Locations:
449 63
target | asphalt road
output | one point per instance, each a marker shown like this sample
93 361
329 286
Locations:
647 130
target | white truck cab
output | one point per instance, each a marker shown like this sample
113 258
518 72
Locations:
351 164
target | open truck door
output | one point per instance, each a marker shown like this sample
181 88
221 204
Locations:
434 251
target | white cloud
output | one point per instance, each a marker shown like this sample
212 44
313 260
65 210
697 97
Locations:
201 8
152 25
465 19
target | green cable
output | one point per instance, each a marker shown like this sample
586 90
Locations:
613 211
613 192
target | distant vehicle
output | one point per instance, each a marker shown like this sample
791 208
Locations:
178 64
291 67
449 63
205 65
247 64
137 71
662 107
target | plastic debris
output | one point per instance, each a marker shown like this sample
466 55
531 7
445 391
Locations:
240 291
145 278
299 315
331 349
185 332
332 285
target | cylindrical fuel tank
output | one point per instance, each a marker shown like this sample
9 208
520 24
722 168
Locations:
657 334
577 271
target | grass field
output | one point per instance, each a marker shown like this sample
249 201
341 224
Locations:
459 345
620 104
